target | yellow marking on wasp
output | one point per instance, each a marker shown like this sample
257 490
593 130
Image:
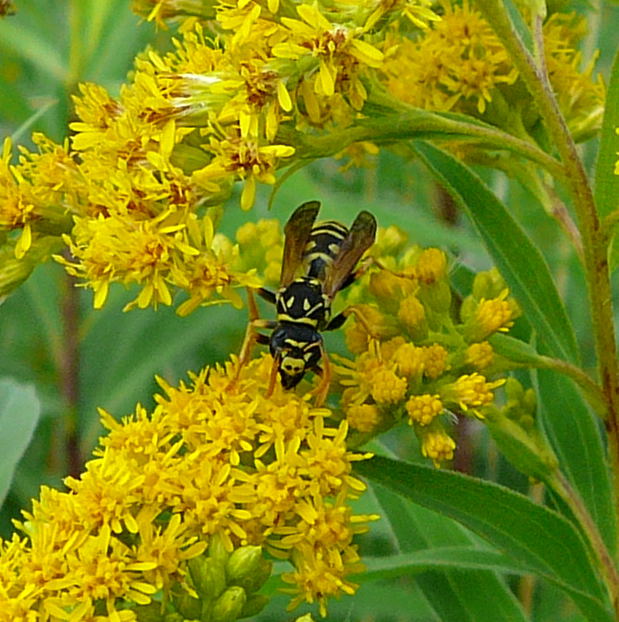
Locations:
318 255
306 305
283 317
294 344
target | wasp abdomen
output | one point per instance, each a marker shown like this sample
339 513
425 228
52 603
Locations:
322 247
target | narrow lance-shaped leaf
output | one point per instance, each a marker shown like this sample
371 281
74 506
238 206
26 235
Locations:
454 595
606 181
19 414
439 558
519 260
532 534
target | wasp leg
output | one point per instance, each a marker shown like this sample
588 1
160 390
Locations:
375 262
252 336
325 379
273 376
338 321
267 294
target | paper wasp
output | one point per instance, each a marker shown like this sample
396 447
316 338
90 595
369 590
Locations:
319 260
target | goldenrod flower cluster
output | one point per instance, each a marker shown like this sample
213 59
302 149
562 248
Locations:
216 466
248 89
419 357
460 64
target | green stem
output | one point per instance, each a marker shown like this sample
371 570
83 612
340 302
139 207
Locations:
593 238
561 486
591 390
415 123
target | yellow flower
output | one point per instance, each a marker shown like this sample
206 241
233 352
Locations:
412 314
363 417
160 10
357 337
496 314
479 355
580 96
471 392
244 158
410 360
458 60
438 446
340 51
216 462
387 387
435 360
423 409
431 265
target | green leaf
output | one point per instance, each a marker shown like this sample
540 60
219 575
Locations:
519 260
454 595
575 437
439 558
532 535
606 181
519 25
19 414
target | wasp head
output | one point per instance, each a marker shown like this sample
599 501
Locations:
297 349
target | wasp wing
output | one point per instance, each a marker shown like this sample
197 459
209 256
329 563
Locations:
360 237
297 233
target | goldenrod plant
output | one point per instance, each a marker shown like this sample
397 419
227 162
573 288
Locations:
452 453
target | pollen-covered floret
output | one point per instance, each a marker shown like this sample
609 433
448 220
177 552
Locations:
479 355
431 265
438 446
471 391
363 417
423 409
412 314
492 316
387 387
435 360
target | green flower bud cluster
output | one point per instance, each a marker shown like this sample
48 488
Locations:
223 587
226 583
514 428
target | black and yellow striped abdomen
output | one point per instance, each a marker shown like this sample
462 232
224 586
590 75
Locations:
323 245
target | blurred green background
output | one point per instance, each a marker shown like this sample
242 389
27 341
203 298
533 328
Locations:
46 49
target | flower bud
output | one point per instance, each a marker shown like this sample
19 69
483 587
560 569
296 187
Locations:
488 284
388 288
228 606
208 576
217 549
431 265
13 271
391 240
247 568
436 296
412 314
242 562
